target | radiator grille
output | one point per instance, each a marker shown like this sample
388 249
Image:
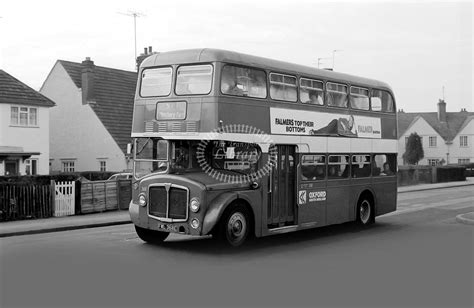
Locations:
168 202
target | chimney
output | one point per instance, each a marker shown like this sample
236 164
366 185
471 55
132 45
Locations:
442 110
146 53
87 81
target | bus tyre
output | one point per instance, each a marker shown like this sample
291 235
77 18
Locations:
151 236
365 211
234 226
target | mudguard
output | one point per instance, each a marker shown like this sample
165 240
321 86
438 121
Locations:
133 210
215 210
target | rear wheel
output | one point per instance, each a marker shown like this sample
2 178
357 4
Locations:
151 236
234 226
365 211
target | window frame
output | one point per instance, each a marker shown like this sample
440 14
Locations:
347 164
463 141
244 67
327 90
355 163
155 67
194 64
371 91
104 167
69 164
432 141
28 116
324 164
323 90
359 95
32 164
283 84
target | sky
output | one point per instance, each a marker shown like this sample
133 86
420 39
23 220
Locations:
416 47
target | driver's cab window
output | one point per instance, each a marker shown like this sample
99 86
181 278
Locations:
184 155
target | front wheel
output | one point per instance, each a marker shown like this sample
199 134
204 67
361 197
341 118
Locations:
234 226
365 211
151 236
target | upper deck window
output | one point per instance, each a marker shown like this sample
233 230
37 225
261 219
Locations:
382 101
336 94
156 82
359 98
194 79
311 91
243 81
283 87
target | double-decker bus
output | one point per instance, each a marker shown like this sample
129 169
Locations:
236 145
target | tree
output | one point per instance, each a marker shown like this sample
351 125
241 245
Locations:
414 149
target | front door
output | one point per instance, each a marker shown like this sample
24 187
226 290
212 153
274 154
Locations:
11 167
282 205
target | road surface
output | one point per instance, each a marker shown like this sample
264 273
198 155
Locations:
419 256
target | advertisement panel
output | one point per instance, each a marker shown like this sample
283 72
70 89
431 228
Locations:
299 122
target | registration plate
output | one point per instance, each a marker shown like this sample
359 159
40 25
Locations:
168 228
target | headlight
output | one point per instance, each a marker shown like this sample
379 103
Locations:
194 205
195 223
142 199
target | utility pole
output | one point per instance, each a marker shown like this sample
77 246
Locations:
134 14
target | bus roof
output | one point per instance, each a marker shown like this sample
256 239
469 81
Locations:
213 55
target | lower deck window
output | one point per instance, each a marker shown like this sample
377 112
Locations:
338 166
313 167
384 164
360 166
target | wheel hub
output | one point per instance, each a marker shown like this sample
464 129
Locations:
236 226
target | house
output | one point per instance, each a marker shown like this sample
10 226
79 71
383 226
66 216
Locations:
24 128
447 137
91 125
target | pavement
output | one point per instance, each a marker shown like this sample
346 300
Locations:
110 218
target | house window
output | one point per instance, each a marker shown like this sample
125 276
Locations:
23 116
463 161
102 165
433 161
432 141
31 166
68 166
463 141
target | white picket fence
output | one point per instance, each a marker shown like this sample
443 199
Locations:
64 198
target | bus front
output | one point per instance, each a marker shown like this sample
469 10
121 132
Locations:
179 163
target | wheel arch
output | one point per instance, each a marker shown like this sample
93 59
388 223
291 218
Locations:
369 193
222 203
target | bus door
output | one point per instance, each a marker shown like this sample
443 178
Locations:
282 205
312 190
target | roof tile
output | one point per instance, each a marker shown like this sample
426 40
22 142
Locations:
114 94
13 91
